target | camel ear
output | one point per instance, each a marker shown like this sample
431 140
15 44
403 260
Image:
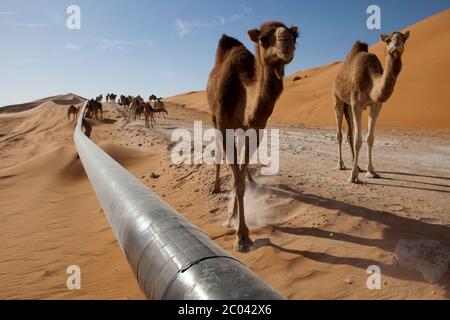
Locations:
253 34
384 37
406 35
294 32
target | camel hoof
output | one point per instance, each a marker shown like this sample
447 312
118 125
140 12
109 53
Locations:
341 166
373 175
354 180
243 244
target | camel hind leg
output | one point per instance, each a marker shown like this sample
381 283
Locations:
357 114
339 107
350 130
373 116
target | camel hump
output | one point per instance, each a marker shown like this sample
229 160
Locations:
226 43
357 48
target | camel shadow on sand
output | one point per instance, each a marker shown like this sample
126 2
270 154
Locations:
411 184
396 229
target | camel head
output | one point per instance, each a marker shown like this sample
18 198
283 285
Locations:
395 43
275 43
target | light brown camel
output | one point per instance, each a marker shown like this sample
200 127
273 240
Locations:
242 91
72 111
150 121
136 108
360 83
160 108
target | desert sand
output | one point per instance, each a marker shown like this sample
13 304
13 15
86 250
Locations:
421 96
315 234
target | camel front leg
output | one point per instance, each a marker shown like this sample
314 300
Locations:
357 114
216 188
373 116
243 242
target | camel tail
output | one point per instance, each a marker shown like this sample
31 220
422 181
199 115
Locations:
357 48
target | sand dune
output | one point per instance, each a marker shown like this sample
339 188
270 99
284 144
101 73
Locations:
50 216
420 100
66 99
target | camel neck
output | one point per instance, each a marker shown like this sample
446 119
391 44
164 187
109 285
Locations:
392 68
268 88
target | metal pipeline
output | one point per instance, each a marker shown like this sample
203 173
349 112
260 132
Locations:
170 257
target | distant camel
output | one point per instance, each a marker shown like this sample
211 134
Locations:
72 111
99 98
136 108
112 98
87 128
360 83
159 107
149 115
93 108
107 98
242 91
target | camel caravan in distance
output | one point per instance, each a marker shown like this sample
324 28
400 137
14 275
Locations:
134 107
149 109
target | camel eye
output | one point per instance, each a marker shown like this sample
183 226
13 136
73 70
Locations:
265 41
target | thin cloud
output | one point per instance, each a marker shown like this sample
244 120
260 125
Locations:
185 27
71 46
8 13
245 8
107 44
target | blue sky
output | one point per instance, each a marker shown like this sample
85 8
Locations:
167 46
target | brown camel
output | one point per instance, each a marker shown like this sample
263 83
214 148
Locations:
159 107
72 111
242 91
136 108
149 115
362 82
99 98
93 108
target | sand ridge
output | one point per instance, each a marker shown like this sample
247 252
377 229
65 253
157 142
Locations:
420 99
